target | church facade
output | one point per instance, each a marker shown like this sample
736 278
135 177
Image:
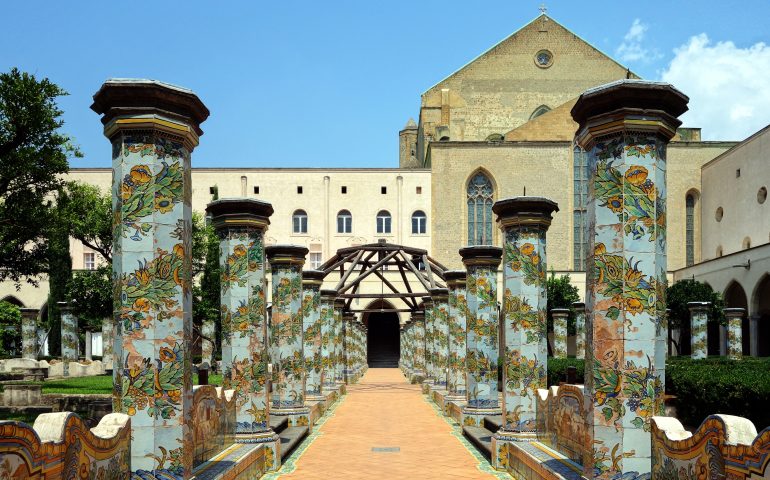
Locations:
500 126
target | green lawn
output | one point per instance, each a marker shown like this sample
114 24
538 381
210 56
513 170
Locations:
98 384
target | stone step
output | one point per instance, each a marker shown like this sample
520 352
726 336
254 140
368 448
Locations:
291 438
493 423
481 438
279 424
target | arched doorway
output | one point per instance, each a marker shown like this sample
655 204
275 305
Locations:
761 312
735 297
383 342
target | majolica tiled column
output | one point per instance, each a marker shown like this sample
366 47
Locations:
153 128
699 315
311 314
241 225
288 398
624 127
348 348
364 353
339 359
735 332
481 264
560 317
440 298
108 343
29 333
524 222
580 329
418 371
69 337
207 342
430 346
458 307
327 338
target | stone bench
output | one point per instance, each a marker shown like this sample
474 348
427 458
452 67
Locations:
15 395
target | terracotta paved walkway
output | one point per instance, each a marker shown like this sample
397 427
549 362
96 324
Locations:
383 411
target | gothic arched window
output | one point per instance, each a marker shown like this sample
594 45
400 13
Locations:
480 200
690 229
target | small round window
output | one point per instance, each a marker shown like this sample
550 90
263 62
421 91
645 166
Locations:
543 59
719 214
762 195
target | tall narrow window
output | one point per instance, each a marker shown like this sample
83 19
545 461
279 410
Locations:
89 261
418 222
580 202
383 221
689 240
315 260
299 221
344 222
480 199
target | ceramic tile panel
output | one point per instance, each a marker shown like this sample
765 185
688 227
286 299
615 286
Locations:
735 332
337 340
29 333
430 345
311 337
419 344
457 333
580 329
560 316
326 317
69 337
440 318
207 342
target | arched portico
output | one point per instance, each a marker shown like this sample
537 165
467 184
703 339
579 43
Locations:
383 343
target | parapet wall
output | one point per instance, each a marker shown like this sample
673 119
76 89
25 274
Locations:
60 445
561 421
724 446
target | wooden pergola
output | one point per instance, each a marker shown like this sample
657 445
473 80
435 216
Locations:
357 263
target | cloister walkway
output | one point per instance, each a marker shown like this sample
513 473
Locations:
386 429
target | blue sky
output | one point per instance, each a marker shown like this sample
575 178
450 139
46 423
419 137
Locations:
329 84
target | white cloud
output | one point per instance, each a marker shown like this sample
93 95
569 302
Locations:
631 50
728 86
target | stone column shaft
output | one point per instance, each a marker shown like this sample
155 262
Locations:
153 128
481 263
580 329
560 317
311 314
440 316
286 331
327 338
430 368
29 333
418 373
735 332
348 347
624 127
699 312
339 375
458 308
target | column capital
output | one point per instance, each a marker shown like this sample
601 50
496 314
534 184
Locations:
339 302
230 213
313 278
698 306
630 105
579 306
64 306
455 278
560 312
481 255
329 294
439 295
525 211
735 312
142 104
286 254
30 313
427 301
418 316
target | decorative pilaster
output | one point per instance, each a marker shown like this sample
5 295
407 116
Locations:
560 317
458 307
624 127
430 346
418 371
208 332
286 326
524 222
311 338
108 343
580 329
339 359
153 128
699 315
327 338
440 317
481 264
69 337
735 332
29 333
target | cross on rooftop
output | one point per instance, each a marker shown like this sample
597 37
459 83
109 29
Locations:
543 8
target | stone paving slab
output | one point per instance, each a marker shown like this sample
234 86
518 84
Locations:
385 428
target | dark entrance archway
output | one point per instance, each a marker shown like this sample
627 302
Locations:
383 343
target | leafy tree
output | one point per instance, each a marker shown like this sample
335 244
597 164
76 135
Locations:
88 213
206 303
562 294
59 271
33 156
680 294
10 329
91 291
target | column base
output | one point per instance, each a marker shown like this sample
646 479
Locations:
272 445
427 385
474 417
297 416
416 377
